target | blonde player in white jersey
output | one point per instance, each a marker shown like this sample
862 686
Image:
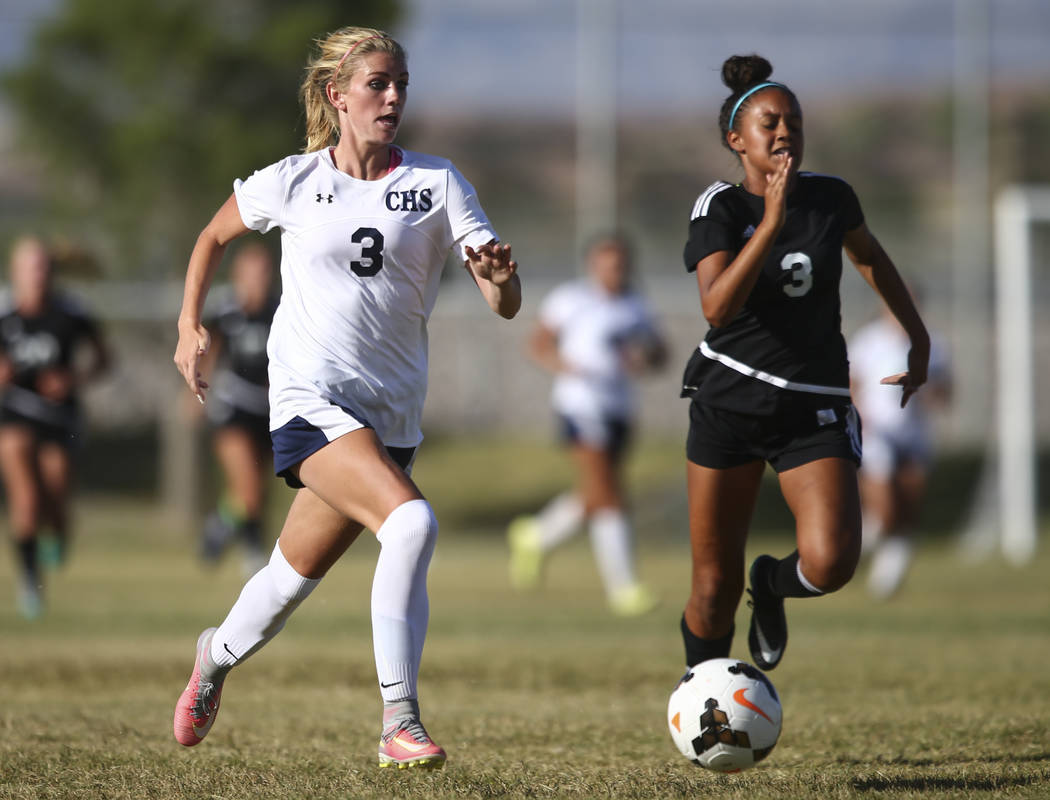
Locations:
898 447
595 335
365 229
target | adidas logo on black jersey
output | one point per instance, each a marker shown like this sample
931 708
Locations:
749 231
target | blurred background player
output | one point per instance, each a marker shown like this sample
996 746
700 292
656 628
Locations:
898 446
239 411
595 335
49 348
770 380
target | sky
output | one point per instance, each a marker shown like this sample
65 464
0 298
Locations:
518 57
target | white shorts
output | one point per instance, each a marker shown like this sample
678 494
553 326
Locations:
319 422
884 454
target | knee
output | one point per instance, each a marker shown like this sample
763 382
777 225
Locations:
831 568
600 498
24 514
412 525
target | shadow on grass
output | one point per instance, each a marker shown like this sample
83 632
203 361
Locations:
933 784
1029 758
973 783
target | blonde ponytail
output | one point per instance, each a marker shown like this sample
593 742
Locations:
338 56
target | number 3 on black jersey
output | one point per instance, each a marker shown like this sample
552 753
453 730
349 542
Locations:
371 254
801 268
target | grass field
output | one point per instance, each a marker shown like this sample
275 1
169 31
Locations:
942 693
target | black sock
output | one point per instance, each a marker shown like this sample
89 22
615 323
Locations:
27 557
698 649
251 533
784 581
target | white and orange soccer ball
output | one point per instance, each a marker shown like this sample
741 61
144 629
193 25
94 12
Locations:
724 715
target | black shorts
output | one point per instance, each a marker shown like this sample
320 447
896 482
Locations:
66 434
804 428
257 426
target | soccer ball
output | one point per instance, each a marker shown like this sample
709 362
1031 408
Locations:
724 715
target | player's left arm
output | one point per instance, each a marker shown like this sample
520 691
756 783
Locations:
91 361
496 275
876 267
100 357
645 351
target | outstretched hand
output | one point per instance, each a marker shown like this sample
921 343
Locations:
911 380
492 262
194 342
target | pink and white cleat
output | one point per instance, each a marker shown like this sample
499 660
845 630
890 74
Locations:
199 704
406 744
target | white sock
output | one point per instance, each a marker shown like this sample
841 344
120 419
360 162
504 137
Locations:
890 565
559 520
806 584
611 541
400 607
871 534
266 601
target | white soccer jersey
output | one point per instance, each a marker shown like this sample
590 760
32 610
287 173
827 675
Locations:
360 266
876 351
592 326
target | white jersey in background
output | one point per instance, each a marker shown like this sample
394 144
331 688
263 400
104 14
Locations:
592 326
360 267
876 351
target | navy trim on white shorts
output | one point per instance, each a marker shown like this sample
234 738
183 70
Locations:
297 439
293 442
611 434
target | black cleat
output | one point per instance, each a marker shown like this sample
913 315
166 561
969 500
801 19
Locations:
215 537
767 637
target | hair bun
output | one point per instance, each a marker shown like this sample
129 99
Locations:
742 72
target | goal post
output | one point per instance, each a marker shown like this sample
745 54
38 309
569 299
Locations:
1017 208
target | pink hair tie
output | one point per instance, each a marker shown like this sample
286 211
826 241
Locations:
339 66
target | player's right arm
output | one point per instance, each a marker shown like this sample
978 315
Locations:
726 281
194 339
542 348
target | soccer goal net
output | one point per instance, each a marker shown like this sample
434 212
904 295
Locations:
1018 209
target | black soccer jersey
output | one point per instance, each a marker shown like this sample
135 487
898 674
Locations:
38 343
241 378
787 336
244 340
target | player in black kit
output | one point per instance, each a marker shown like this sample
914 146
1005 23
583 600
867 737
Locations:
41 332
239 411
770 381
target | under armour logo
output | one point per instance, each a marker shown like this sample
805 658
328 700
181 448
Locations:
327 197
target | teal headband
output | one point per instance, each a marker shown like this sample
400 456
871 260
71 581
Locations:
751 91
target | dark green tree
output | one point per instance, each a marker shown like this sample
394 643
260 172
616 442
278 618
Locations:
142 114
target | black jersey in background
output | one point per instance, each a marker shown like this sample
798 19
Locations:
241 374
34 344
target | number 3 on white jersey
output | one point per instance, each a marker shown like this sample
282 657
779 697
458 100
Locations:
371 253
801 268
